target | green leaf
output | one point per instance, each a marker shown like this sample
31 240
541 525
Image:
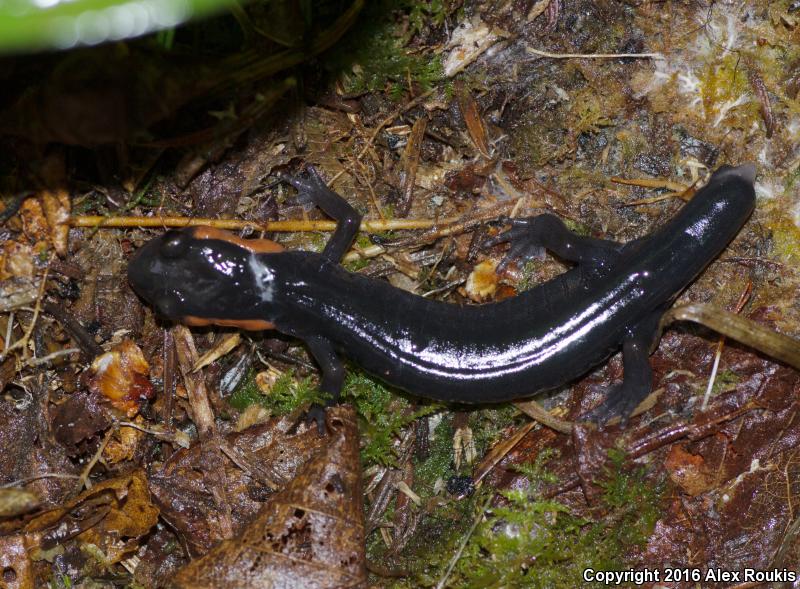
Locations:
31 25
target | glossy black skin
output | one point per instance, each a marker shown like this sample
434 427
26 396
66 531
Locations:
538 340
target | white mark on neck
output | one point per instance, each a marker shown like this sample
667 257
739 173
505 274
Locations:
264 278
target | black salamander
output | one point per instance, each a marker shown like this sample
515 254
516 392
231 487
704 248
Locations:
614 296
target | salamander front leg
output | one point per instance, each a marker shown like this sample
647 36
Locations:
347 218
332 378
530 236
637 378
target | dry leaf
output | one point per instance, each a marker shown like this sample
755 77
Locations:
57 208
688 471
121 376
311 534
482 281
218 351
269 451
473 120
112 515
14 502
15 564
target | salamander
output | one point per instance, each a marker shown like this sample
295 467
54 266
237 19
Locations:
612 297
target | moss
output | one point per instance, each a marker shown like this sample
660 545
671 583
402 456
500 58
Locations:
374 57
439 462
588 113
633 503
448 525
786 240
382 414
726 380
356 265
489 425
286 395
246 394
724 83
535 471
529 542
538 138
362 242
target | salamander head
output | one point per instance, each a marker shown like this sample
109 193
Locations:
729 194
202 276
745 172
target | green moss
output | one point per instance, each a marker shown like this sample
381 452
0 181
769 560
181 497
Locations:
633 503
531 543
373 57
356 265
786 240
287 394
726 380
723 83
535 471
588 113
539 138
382 414
447 525
528 275
423 14
791 178
439 462
362 242
246 394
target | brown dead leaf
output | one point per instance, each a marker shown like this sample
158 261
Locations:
112 515
34 222
15 564
14 502
473 120
57 207
411 157
482 281
77 419
688 471
123 446
16 260
121 376
269 451
311 534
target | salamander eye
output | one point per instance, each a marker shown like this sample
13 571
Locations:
175 244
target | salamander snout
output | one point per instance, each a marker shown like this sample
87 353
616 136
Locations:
745 172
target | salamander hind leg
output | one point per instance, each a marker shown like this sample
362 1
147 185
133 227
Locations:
530 236
623 398
347 218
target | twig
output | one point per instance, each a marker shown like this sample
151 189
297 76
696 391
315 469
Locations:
535 411
45 475
23 341
83 480
463 545
651 183
721 344
51 356
388 121
541 53
371 226
77 331
745 331
9 330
